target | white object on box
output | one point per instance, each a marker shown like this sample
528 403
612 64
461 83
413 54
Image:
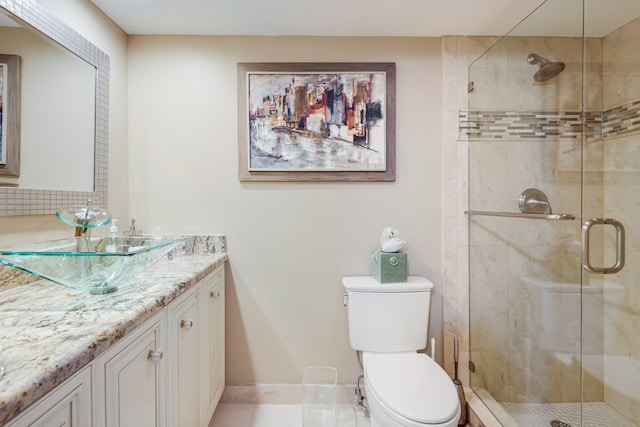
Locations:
391 240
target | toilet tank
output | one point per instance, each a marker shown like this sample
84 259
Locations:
390 317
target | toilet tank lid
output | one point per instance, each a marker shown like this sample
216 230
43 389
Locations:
369 284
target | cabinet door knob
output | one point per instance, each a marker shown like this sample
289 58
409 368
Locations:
186 324
215 294
155 355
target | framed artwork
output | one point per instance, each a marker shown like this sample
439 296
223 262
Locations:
316 121
10 115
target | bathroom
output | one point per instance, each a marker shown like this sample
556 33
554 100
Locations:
173 155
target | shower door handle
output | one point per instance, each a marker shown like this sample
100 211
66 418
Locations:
620 245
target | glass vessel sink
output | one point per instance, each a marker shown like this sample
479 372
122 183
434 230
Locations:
98 264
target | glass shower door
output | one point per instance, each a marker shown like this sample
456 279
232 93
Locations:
552 341
525 169
611 299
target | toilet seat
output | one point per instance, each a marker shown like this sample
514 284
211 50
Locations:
411 389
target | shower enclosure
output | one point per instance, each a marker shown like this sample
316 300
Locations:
554 217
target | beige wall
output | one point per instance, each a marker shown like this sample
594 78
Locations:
289 243
85 18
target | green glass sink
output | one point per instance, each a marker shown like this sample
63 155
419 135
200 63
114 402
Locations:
98 264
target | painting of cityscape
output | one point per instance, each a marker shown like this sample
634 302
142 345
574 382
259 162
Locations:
328 120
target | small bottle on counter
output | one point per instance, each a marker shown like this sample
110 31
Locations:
112 246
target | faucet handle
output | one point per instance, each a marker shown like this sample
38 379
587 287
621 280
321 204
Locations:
133 231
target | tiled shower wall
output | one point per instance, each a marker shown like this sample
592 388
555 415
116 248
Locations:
457 54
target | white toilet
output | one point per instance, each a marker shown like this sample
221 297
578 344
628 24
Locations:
389 323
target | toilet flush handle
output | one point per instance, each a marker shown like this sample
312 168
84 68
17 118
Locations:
345 298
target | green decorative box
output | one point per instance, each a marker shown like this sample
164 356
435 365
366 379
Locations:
389 267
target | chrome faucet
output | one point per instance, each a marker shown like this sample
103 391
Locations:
133 230
82 218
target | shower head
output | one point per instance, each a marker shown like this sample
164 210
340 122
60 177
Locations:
546 69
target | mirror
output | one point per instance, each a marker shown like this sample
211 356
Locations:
64 114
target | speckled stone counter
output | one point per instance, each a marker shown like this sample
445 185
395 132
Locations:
48 332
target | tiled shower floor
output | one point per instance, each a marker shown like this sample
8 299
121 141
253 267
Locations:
596 414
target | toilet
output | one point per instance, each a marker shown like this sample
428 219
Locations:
389 324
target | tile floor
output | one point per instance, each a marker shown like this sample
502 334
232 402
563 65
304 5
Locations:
276 415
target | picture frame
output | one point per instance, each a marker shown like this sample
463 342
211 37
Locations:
316 121
10 113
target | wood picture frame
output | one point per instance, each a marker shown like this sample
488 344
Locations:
316 121
10 113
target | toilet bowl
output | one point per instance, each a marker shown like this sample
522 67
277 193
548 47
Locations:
388 323
409 390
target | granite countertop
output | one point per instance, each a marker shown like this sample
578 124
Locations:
49 332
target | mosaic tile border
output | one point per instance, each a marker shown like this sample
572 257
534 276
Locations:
19 201
621 120
526 125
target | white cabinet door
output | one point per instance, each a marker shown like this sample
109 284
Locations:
67 405
131 378
213 288
184 379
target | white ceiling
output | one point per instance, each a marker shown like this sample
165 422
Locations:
409 18
318 18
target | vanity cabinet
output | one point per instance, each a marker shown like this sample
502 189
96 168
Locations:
130 379
168 372
213 357
185 367
196 362
67 405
